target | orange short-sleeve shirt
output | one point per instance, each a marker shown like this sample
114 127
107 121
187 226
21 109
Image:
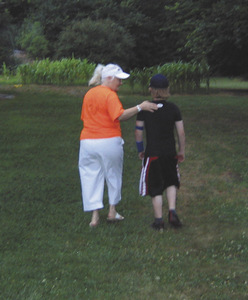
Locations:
100 112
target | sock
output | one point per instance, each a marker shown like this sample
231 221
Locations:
158 220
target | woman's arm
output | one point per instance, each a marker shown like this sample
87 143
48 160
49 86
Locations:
130 112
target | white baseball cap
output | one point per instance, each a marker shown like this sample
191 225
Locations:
112 70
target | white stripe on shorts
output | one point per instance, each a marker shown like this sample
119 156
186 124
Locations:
142 184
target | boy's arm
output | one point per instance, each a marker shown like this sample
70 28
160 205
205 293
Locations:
181 140
139 138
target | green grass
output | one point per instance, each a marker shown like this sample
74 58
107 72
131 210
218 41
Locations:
7 80
228 83
48 250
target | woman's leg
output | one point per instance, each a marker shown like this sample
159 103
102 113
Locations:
91 175
95 218
112 160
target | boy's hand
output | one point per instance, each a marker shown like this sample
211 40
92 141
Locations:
180 157
141 155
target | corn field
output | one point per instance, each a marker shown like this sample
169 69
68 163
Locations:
64 72
183 77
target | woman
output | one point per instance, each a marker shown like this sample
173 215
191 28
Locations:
101 144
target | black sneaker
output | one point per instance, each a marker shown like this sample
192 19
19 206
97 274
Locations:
158 226
174 220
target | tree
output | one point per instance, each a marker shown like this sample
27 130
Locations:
213 31
56 15
151 32
6 38
32 39
100 41
144 21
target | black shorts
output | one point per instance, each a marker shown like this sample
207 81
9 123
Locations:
157 174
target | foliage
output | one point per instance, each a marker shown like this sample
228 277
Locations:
48 250
56 15
101 40
143 34
33 40
6 71
6 44
208 35
144 21
183 77
141 78
63 72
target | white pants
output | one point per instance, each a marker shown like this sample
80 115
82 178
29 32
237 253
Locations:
100 160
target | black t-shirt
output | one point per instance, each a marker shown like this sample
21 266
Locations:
159 127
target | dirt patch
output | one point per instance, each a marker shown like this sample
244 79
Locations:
6 96
232 92
79 91
76 91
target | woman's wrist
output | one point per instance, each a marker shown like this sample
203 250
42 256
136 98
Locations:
138 108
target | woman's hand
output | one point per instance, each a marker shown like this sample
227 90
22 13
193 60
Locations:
130 112
149 106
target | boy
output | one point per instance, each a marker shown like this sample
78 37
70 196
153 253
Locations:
160 159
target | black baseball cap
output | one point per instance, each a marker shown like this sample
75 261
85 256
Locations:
159 81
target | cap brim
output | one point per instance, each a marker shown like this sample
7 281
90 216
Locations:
122 75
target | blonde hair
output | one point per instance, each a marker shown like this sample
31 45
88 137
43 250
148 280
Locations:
159 93
96 79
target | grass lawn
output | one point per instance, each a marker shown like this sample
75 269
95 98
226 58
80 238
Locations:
48 250
227 83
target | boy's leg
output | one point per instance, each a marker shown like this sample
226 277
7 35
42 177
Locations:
171 193
157 203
